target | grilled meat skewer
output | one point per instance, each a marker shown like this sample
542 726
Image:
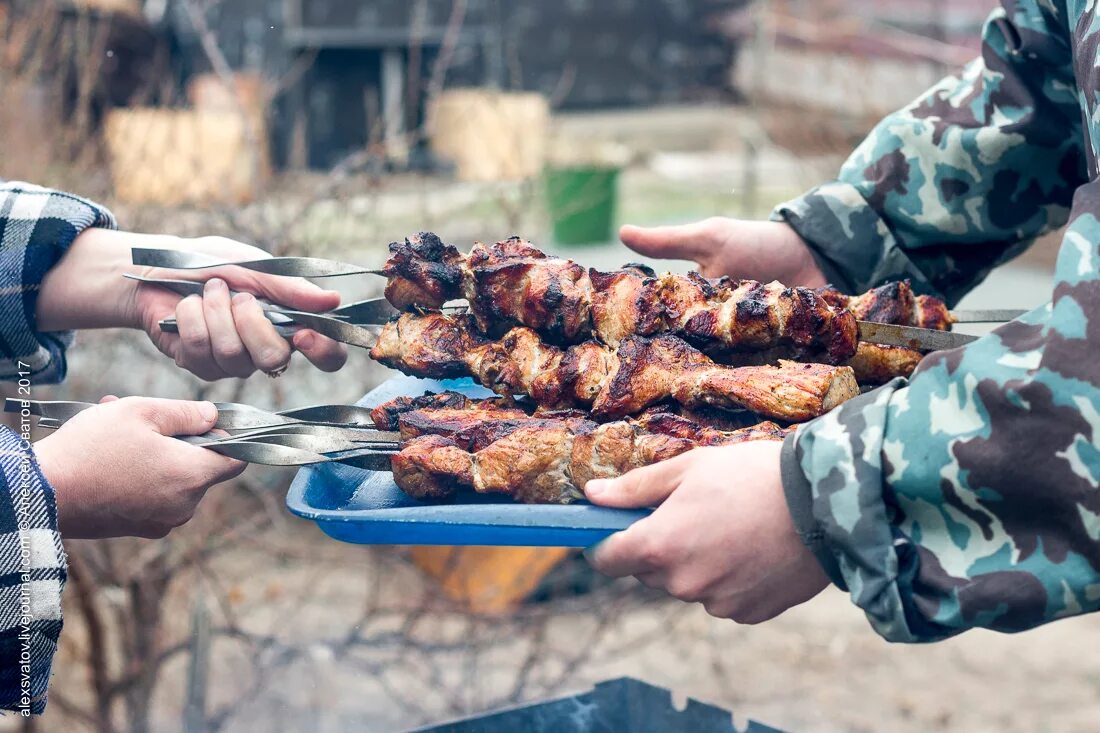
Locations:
511 284
893 303
415 416
614 383
548 461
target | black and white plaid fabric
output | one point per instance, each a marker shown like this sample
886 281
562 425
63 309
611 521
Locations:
32 576
37 225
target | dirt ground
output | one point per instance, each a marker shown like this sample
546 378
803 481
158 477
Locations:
817 668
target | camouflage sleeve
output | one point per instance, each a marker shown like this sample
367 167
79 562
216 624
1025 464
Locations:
971 497
964 178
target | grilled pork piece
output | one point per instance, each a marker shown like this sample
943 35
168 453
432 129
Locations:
423 272
445 413
893 303
549 461
511 283
386 415
876 364
615 383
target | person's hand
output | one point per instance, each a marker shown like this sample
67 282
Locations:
116 473
755 250
219 335
721 534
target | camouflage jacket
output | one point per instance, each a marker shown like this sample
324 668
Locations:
968 497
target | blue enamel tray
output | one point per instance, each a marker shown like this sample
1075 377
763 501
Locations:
367 508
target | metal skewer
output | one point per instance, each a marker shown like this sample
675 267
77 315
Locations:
285 266
231 416
988 315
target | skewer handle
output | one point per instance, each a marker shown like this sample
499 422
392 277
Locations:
284 266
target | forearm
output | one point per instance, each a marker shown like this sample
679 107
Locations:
33 568
968 499
87 287
37 227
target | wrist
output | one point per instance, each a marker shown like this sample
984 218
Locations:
86 289
805 271
55 474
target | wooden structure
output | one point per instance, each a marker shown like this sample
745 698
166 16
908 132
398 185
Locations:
372 66
488 579
490 135
171 157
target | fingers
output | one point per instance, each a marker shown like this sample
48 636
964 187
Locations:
685 242
292 292
226 346
642 487
324 353
194 352
174 417
633 551
267 349
214 468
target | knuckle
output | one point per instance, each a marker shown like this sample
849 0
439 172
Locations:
140 408
271 357
747 615
718 609
182 516
654 552
178 413
228 349
690 590
193 340
132 404
714 224
756 617
187 479
331 359
154 531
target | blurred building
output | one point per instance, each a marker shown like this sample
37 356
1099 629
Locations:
363 67
858 58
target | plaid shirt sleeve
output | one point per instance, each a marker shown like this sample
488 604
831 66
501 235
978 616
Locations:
32 576
37 225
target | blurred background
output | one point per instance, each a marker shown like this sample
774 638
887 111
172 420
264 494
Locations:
333 127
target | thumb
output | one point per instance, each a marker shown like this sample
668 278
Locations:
178 417
643 487
685 242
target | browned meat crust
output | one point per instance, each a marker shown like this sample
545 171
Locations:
424 272
549 461
512 283
479 423
893 303
615 383
876 364
386 415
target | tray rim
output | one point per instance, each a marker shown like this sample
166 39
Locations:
604 520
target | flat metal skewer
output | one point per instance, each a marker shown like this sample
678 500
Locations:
988 315
284 266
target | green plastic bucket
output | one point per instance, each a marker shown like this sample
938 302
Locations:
582 203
